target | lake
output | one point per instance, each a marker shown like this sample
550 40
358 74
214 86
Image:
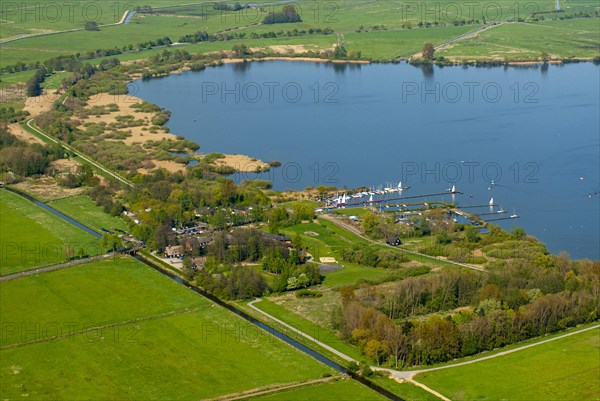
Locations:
527 136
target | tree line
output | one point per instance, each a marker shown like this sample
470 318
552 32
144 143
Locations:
471 312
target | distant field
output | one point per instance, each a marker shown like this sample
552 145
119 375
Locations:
380 29
565 369
84 210
199 351
32 237
346 390
568 38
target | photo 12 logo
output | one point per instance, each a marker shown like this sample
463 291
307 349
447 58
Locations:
269 92
67 11
459 13
455 172
470 92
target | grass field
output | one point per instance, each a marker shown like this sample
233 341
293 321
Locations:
565 369
392 38
128 290
319 332
346 390
84 210
198 351
565 39
32 237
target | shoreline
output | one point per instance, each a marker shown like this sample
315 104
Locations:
299 59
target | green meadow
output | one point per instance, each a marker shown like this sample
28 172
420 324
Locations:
128 291
379 29
84 210
564 369
32 237
347 390
133 334
565 39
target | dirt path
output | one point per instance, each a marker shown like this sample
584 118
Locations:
467 35
303 334
264 391
90 161
60 266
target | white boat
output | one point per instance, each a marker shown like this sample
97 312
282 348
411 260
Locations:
492 202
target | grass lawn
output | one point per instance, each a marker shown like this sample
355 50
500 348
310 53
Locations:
564 369
200 351
347 390
32 237
84 210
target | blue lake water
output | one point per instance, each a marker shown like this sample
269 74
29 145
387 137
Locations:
533 131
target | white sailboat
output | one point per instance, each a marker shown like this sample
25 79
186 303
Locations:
492 202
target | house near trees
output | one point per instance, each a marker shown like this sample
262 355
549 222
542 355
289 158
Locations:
173 252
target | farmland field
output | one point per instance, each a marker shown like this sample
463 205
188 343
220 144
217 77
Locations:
86 212
151 339
565 369
32 237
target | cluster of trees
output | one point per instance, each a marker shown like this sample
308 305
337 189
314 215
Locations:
292 33
83 176
279 217
287 15
177 200
225 275
203 36
227 7
23 159
104 197
495 310
167 56
10 115
34 85
372 257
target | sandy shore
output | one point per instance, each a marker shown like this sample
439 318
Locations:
242 163
141 135
300 59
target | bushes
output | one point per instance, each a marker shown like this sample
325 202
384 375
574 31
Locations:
370 257
287 15
308 294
